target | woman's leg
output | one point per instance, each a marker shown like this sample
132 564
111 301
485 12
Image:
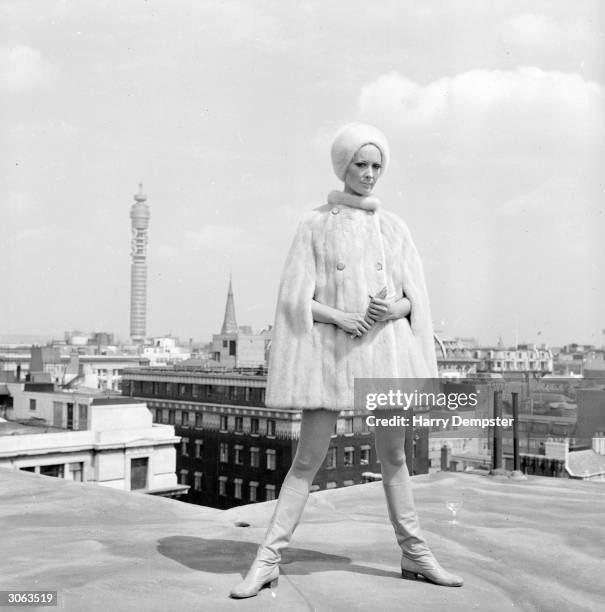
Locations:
416 555
316 429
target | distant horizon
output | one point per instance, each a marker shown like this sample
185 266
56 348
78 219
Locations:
33 339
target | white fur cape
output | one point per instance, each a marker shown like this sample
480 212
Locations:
342 252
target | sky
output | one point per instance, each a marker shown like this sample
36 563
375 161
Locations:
225 111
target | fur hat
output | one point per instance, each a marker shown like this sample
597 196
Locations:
350 139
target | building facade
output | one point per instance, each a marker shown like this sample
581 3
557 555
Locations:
85 437
234 450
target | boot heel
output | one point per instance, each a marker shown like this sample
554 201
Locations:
408 575
273 583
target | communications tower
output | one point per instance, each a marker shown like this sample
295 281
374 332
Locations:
139 222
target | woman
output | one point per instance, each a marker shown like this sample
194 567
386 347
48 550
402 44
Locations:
352 303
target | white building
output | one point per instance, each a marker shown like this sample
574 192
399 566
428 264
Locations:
164 351
83 436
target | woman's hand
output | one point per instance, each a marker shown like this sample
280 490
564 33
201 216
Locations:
353 323
387 309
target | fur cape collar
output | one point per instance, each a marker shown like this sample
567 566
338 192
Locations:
340 198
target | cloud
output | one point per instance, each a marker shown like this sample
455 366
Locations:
23 68
474 94
491 115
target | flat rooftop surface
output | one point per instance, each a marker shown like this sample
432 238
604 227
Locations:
26 427
535 545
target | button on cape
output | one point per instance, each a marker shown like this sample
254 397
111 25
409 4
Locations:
338 259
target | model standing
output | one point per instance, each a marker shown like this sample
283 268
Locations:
335 322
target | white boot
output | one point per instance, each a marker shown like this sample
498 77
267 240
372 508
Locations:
416 556
265 568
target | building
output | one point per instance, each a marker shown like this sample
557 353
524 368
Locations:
234 450
461 357
580 360
591 412
456 357
139 221
94 371
236 346
86 437
164 351
532 358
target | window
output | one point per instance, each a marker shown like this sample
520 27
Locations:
238 454
197 481
58 414
185 418
199 445
32 404
349 456
253 491
331 485
270 427
224 422
335 430
365 428
195 391
239 424
237 488
254 457
158 415
171 417
183 476
347 483
331 458
184 443
138 473
224 452
349 426
82 416
254 426
269 492
70 416
52 470
231 347
364 455
222 485
199 420
225 343
76 471
270 454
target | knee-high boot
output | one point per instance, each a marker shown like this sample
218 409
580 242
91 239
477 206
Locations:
416 557
265 568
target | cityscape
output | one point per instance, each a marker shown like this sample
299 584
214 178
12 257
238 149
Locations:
211 441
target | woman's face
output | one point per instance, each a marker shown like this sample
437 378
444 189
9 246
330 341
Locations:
363 171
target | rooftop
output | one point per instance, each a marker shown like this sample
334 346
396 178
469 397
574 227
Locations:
526 545
26 427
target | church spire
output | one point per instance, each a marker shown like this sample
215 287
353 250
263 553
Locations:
229 322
